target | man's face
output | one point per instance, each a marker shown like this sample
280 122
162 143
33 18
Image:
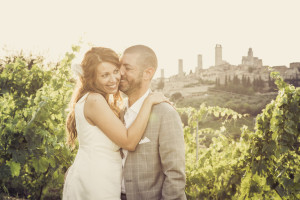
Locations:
131 74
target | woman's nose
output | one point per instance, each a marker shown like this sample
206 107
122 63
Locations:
112 79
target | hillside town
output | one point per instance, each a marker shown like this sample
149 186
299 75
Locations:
251 68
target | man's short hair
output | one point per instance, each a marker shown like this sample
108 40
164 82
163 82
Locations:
147 57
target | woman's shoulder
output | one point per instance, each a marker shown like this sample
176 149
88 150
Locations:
94 98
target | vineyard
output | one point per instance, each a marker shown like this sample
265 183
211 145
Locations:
263 163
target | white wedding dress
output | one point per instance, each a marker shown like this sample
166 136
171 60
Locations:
96 173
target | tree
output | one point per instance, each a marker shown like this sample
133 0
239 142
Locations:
271 84
218 84
244 81
248 82
236 80
176 96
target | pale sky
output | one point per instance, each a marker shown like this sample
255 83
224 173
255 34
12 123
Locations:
174 29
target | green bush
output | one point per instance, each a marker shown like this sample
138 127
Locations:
33 154
274 155
263 164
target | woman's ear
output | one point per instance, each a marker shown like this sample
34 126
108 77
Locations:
148 73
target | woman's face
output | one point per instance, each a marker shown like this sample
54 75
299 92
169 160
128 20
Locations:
108 77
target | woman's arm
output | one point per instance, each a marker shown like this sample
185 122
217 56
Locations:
98 112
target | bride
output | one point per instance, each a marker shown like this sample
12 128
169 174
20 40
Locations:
95 119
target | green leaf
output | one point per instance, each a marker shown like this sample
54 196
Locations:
52 162
75 48
40 165
14 168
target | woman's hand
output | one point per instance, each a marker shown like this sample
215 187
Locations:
157 97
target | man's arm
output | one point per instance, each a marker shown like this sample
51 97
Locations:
172 153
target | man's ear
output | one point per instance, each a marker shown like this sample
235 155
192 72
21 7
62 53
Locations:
148 73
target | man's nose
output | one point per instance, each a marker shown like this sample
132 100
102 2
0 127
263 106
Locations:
122 70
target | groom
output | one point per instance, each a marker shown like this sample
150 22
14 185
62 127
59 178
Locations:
156 169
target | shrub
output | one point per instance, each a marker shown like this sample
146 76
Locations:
33 154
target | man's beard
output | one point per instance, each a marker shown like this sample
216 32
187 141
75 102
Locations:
131 87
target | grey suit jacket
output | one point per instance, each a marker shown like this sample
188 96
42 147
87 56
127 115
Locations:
156 169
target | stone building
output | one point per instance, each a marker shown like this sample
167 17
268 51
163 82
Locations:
295 65
251 68
251 61
180 68
162 74
199 65
218 55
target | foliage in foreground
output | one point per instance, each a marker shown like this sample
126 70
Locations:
264 164
33 154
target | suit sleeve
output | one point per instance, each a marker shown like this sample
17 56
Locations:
172 154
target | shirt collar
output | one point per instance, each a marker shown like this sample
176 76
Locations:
138 104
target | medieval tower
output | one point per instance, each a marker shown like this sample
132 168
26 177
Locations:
218 55
180 68
199 66
162 73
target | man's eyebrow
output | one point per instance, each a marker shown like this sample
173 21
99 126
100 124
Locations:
102 73
127 65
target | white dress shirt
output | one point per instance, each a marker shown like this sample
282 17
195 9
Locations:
129 117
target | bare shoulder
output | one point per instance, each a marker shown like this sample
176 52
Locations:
95 98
